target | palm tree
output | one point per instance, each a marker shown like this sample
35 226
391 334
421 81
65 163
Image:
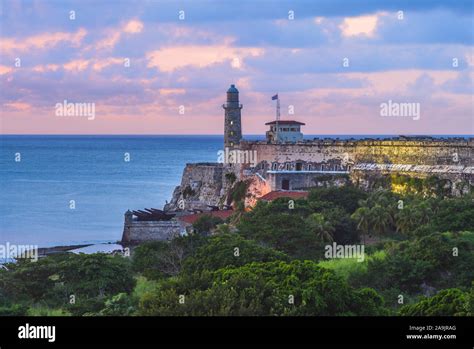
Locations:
405 221
380 219
238 213
413 216
362 217
223 229
424 212
321 227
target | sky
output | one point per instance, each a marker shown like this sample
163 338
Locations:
163 67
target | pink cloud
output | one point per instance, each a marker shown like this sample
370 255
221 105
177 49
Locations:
19 106
46 68
5 69
42 41
172 91
171 58
114 35
111 39
134 26
362 25
100 64
76 65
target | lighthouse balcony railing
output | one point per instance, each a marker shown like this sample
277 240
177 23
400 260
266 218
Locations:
232 105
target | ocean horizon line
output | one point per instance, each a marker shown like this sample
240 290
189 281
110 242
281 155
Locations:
221 135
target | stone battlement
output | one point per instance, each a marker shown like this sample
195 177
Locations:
395 141
135 231
458 152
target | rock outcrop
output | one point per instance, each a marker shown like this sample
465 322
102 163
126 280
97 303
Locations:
202 185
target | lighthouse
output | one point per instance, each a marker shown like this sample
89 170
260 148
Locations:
232 123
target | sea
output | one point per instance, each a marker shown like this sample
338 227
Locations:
72 190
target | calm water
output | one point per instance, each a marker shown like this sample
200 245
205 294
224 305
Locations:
35 193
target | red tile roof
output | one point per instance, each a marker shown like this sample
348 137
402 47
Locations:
192 218
285 122
273 195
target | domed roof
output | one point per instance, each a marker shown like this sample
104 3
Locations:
232 89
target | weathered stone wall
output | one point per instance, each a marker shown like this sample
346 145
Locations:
140 231
398 151
451 159
305 180
460 179
202 184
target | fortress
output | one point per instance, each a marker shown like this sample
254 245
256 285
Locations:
286 162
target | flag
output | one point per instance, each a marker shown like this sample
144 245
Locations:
275 97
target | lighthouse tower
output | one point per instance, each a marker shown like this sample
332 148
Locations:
232 124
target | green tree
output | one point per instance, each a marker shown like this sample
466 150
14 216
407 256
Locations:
319 226
121 304
362 216
345 231
284 229
455 214
160 259
205 224
272 288
51 281
427 262
380 219
95 274
229 250
346 197
449 302
413 216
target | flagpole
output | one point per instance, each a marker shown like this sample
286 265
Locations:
277 116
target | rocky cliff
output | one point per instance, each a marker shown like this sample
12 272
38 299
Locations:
202 185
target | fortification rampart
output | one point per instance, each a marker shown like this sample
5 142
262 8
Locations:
419 152
135 231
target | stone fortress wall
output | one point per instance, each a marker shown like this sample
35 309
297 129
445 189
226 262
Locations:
459 152
136 231
310 163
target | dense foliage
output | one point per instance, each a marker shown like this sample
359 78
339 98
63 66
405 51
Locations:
271 260
273 288
77 283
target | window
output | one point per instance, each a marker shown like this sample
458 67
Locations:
299 166
285 184
274 166
288 167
